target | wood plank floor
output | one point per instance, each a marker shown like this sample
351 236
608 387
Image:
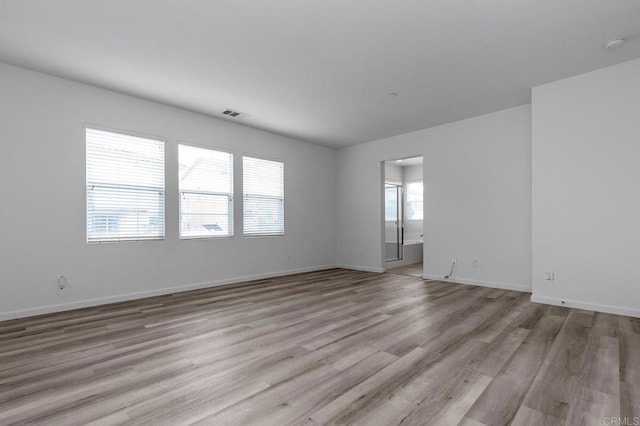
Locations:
330 347
414 270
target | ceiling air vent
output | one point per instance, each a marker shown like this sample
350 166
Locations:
233 113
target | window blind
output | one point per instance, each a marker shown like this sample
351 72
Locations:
263 196
125 187
206 192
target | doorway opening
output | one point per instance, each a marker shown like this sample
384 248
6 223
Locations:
402 227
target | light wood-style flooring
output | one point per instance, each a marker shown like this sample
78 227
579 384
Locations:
330 347
414 270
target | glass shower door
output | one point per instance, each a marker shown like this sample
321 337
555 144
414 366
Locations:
393 222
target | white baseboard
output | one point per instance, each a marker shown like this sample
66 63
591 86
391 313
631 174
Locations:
467 281
362 268
22 313
608 309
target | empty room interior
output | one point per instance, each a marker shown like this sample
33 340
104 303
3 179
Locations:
312 213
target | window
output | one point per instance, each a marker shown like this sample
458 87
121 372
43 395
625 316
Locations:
414 201
125 187
206 192
263 194
391 202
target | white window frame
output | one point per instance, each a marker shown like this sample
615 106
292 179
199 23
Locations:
162 190
408 183
230 196
284 207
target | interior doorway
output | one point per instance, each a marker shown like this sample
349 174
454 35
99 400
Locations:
402 211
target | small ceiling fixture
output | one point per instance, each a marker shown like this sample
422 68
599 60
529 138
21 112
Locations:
392 95
233 113
614 43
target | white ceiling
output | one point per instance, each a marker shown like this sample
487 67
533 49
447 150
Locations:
321 70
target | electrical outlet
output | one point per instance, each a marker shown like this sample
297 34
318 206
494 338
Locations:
549 276
475 263
62 285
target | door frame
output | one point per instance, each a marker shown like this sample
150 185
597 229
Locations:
381 185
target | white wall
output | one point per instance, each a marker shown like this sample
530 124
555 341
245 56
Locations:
476 172
393 173
412 173
42 217
477 177
586 186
